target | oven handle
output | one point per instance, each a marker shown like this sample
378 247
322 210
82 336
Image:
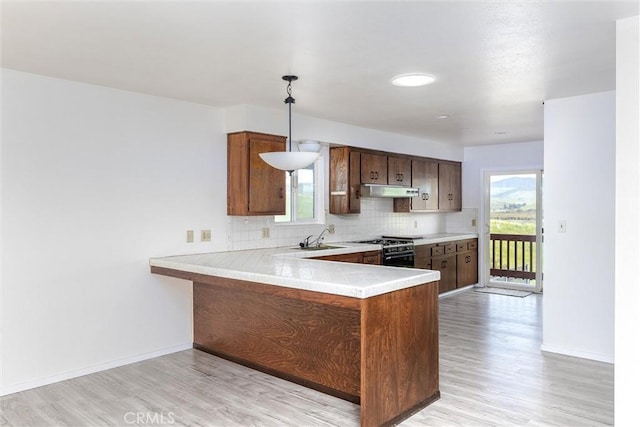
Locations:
399 255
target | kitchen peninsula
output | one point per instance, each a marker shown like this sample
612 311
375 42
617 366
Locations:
364 333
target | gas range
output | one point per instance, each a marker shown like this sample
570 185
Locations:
395 252
388 243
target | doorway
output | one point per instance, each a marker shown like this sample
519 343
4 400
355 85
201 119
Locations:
513 230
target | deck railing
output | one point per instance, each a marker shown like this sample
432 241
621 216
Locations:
513 255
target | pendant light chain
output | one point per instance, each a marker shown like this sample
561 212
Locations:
290 100
287 160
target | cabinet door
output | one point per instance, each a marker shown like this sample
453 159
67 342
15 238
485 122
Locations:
373 169
449 187
446 265
467 262
424 177
399 171
266 184
374 258
354 182
344 181
467 265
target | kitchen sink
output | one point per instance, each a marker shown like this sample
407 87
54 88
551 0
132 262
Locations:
318 248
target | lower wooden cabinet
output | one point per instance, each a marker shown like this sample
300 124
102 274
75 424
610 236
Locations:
467 262
446 265
457 262
370 257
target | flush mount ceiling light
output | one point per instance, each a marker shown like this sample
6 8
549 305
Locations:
412 80
289 160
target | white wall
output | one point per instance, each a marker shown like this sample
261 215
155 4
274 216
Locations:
627 299
499 157
273 121
579 187
94 182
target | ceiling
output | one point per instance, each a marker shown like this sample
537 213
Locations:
494 62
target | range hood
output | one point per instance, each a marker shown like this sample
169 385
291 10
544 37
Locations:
378 190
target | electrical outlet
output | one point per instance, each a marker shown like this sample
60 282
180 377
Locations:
265 232
332 228
189 236
473 222
205 235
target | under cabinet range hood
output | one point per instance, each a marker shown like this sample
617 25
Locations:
381 190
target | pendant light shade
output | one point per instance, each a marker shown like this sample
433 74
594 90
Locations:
289 160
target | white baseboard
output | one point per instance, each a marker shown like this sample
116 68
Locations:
456 291
576 353
39 382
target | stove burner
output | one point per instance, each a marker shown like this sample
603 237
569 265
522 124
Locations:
387 242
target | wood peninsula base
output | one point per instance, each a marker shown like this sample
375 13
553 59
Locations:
380 352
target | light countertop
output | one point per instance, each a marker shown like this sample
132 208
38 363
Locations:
291 267
443 237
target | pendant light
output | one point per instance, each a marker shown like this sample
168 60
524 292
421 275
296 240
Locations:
289 160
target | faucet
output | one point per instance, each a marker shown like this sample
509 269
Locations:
320 238
305 242
317 241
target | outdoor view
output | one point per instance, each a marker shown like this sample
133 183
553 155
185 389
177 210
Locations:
513 228
304 197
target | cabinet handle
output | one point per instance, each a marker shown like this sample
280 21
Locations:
376 178
398 177
401 177
357 194
426 196
467 259
371 175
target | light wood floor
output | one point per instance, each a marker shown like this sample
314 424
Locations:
491 373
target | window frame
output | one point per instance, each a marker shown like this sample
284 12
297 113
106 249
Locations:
318 196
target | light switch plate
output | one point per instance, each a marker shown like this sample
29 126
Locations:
189 236
332 228
205 235
562 226
265 232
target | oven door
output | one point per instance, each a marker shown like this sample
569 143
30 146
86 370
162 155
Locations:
402 259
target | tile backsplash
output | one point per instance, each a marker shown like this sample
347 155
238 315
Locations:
462 222
376 218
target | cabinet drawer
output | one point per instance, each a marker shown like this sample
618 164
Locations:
461 246
437 250
449 248
473 244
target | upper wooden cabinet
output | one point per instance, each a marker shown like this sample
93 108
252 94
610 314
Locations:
344 181
254 187
439 186
449 187
373 169
399 169
424 177
438 181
